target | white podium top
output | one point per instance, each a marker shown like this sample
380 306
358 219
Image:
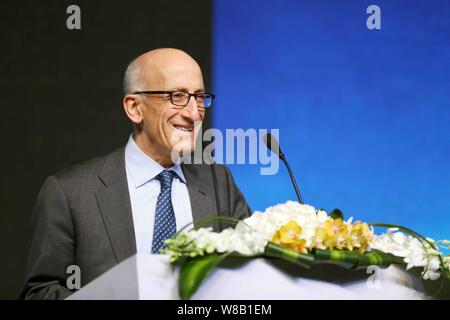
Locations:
151 277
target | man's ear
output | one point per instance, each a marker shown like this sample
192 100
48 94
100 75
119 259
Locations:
131 104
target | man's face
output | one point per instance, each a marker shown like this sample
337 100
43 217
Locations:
171 129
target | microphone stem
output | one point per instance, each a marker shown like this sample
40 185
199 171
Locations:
282 157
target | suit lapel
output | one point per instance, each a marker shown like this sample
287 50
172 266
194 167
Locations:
115 207
200 193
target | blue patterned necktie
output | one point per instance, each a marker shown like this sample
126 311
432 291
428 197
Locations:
165 224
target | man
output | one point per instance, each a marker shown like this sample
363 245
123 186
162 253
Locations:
97 214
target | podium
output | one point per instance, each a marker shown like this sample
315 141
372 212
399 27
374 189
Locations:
151 277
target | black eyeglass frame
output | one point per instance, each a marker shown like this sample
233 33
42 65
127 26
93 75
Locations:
170 93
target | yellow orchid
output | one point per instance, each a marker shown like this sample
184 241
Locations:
336 231
288 236
332 234
360 237
318 239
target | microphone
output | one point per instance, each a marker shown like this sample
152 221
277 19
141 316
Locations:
272 144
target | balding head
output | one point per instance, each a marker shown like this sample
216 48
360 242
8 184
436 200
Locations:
162 128
149 70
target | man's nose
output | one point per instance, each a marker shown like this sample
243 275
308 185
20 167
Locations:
192 109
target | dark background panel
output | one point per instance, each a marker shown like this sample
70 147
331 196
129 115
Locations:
61 94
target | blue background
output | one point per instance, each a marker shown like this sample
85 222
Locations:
363 114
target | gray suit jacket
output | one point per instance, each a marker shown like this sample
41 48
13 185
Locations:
83 217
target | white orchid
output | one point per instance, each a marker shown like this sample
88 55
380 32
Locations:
415 253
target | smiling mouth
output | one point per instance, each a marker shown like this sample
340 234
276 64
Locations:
184 128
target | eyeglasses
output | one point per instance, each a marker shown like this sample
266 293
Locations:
181 98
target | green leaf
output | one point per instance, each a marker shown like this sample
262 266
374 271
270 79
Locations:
303 259
194 271
346 259
377 258
337 214
354 260
208 221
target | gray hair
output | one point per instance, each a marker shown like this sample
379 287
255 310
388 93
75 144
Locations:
133 78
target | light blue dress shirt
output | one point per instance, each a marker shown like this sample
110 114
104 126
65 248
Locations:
144 189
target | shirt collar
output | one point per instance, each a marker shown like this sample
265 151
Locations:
142 168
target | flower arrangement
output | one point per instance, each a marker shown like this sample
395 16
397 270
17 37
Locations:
305 236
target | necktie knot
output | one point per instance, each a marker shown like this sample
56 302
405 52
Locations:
166 178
